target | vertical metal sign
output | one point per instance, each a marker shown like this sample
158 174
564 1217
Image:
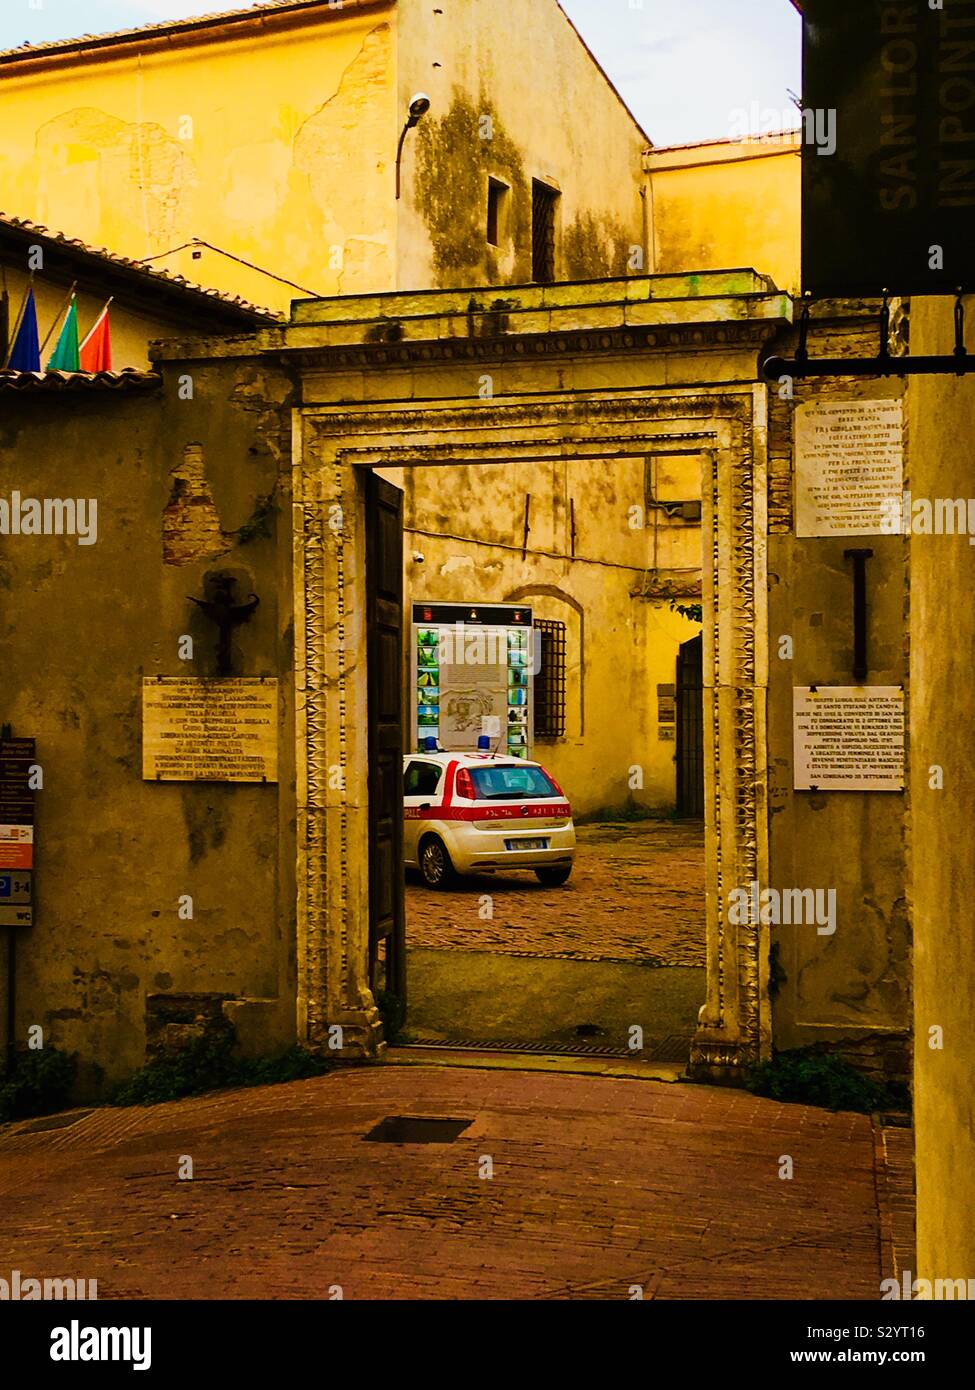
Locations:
17 756
889 204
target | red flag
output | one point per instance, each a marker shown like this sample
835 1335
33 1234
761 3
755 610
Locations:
96 351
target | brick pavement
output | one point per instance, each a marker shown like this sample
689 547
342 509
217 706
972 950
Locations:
599 1184
636 894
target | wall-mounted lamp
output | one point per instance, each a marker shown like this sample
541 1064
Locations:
419 107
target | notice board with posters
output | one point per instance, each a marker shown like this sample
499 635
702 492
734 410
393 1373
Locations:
472 670
17 759
893 206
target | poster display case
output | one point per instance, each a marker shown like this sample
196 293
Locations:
472 674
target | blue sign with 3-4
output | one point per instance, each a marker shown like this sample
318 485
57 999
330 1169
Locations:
15 886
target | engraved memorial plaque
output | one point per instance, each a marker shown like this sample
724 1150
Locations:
849 738
197 730
849 468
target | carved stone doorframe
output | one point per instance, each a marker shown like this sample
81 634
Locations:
333 446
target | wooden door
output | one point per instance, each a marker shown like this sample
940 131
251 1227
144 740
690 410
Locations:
384 587
690 729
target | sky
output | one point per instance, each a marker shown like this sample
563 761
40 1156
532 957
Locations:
692 70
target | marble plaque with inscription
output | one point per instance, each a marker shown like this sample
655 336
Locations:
196 730
849 738
849 467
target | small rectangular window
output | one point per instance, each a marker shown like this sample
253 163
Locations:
544 203
550 680
495 210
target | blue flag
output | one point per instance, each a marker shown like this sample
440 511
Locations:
26 356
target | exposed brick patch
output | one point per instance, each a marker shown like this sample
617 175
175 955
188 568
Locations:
191 523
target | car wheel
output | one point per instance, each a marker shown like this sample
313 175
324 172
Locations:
435 866
554 878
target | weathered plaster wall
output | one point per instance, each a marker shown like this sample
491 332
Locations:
81 626
942 864
515 97
277 147
728 204
850 990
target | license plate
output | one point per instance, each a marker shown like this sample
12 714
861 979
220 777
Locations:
525 844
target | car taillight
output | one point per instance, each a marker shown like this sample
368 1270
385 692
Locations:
465 785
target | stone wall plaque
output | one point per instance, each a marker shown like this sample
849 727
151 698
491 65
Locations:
848 738
849 467
196 730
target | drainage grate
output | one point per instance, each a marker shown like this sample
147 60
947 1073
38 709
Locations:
410 1129
675 1048
492 1045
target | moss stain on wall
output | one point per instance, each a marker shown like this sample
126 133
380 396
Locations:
454 161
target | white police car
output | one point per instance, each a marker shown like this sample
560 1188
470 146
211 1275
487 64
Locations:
469 813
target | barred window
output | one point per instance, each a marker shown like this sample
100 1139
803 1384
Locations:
549 679
544 203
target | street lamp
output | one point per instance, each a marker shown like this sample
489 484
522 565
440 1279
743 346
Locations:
419 107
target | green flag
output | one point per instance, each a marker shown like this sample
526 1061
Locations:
65 355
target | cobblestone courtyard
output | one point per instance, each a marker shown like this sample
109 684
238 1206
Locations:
636 895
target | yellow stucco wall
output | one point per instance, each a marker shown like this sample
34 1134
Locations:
515 96
275 141
727 204
253 143
942 880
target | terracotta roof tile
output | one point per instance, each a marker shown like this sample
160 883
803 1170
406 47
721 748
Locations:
176 26
130 379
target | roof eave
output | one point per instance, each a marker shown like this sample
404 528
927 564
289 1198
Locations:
138 287
91 47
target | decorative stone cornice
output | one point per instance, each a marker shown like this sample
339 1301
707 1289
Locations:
751 334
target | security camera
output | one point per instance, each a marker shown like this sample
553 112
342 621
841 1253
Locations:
419 107
418 557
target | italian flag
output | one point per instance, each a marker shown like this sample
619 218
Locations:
65 356
96 351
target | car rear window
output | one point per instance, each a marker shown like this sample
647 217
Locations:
512 783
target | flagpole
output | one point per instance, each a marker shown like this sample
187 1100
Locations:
63 309
98 320
20 317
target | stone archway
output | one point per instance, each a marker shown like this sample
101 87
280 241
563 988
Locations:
727 426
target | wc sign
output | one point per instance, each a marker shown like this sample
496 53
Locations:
893 207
